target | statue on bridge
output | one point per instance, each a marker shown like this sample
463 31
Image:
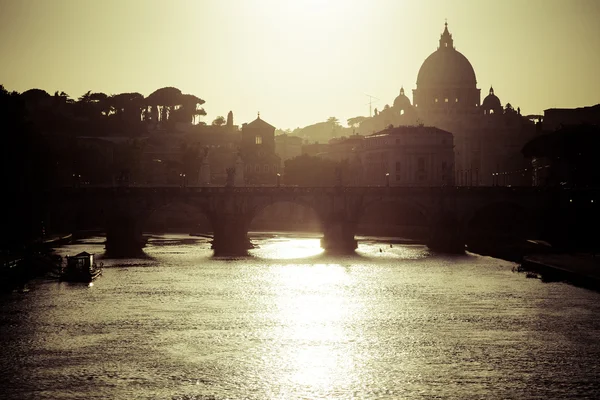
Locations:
230 177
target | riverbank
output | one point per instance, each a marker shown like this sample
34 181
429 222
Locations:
580 269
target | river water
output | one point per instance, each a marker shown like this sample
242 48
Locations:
289 322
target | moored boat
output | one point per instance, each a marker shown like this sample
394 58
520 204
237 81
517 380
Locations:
81 268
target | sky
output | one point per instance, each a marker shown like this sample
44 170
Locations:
298 62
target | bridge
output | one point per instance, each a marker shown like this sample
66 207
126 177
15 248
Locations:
448 212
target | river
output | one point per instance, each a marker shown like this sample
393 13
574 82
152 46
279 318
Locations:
289 322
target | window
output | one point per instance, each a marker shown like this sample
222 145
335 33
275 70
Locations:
436 100
401 112
398 177
257 168
446 100
258 140
421 164
491 111
398 166
266 168
456 100
444 165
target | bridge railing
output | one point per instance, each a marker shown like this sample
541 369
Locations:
274 190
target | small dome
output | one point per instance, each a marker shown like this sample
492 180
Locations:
402 102
491 102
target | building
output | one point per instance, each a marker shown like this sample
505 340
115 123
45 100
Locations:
312 149
340 149
408 156
565 157
261 163
288 147
554 118
487 136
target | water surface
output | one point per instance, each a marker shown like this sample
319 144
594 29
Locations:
290 322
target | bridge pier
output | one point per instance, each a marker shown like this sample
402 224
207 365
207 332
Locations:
446 236
338 237
230 236
124 237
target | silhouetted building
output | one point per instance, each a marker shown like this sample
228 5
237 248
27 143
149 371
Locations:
288 147
339 149
487 137
408 156
555 117
262 164
312 149
566 157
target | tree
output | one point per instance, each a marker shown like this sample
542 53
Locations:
219 121
356 121
283 132
333 121
165 99
190 109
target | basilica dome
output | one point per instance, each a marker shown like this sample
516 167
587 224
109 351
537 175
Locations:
446 67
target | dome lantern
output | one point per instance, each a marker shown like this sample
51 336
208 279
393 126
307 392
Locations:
446 40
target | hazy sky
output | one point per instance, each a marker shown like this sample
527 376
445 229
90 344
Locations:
299 61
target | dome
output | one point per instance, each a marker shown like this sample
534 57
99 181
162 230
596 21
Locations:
402 102
446 67
491 102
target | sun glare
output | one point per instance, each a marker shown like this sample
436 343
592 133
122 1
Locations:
289 249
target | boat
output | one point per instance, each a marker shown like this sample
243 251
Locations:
81 268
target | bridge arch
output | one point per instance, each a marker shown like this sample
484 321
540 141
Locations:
296 213
499 220
181 214
393 217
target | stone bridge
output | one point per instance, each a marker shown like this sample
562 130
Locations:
448 211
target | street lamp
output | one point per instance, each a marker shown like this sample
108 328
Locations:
387 179
182 175
278 179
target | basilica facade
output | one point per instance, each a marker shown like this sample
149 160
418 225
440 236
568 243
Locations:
488 137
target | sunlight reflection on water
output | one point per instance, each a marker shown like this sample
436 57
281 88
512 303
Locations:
286 248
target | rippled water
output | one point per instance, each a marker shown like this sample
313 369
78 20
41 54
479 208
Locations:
290 322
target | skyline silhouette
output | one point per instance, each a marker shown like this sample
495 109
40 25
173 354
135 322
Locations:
299 63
